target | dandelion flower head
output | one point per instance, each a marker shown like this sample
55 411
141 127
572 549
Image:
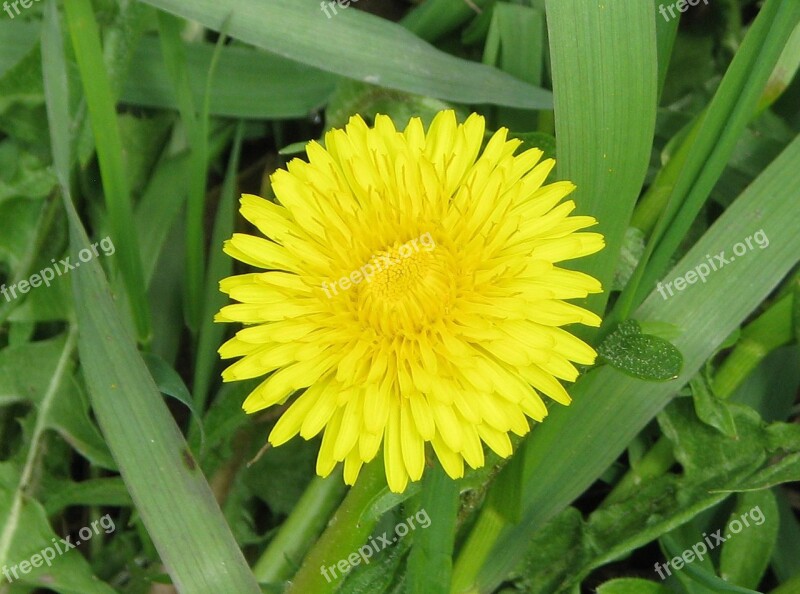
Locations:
409 292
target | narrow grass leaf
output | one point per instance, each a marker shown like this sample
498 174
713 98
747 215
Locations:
219 267
166 485
784 72
102 111
197 133
170 383
344 43
248 83
605 108
745 558
436 18
516 44
729 112
168 488
700 575
430 562
666 32
163 199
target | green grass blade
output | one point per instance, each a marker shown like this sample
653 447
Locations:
666 32
605 108
16 39
430 562
575 445
56 86
785 71
102 111
219 267
168 488
730 111
120 41
163 198
197 132
519 41
516 44
298 30
248 83
435 18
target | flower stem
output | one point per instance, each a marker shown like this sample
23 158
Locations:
347 530
298 532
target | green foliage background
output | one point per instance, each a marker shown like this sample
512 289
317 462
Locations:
142 121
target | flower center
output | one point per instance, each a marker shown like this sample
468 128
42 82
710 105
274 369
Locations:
399 274
410 289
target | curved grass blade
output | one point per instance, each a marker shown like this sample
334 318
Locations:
436 18
343 44
713 141
102 111
248 83
169 490
210 334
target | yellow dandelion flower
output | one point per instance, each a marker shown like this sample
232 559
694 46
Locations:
410 291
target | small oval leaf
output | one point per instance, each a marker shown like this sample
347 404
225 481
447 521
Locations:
642 356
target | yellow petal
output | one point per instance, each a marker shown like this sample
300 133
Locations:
396 474
452 462
325 460
412 443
